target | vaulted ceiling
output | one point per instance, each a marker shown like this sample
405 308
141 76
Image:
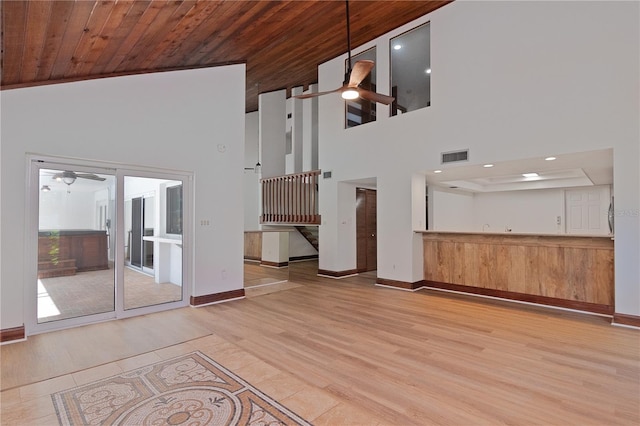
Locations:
281 42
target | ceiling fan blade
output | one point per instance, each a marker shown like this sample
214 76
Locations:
375 97
360 71
313 95
89 176
66 174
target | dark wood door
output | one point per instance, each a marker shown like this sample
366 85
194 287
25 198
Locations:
366 230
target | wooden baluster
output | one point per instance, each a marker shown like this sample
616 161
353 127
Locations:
265 200
271 194
289 200
286 199
283 202
276 195
313 198
300 198
303 198
270 200
262 210
309 197
312 207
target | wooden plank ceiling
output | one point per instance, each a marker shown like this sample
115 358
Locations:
282 42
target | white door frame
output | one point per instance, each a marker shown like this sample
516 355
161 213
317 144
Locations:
36 162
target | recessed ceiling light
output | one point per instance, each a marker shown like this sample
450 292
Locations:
488 165
397 46
428 70
530 175
437 171
550 158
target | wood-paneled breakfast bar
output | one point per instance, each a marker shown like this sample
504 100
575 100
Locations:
569 271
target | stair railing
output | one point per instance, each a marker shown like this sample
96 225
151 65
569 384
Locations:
290 198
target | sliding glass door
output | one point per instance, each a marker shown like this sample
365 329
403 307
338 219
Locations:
75 256
152 243
105 243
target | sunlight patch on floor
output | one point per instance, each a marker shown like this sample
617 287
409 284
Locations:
46 306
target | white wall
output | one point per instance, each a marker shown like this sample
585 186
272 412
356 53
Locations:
310 131
510 80
294 128
272 111
251 181
190 121
526 211
62 210
521 211
452 211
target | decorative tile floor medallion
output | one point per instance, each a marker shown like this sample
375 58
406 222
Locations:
188 390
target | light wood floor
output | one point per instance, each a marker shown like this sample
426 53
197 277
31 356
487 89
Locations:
346 352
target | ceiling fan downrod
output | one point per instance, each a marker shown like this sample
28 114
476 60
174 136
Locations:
348 74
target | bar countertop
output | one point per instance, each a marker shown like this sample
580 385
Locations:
515 234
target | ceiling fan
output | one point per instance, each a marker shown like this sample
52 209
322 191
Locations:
354 76
69 177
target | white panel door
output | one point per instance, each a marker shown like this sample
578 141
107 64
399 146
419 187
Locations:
586 210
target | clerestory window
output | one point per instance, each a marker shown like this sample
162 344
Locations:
411 70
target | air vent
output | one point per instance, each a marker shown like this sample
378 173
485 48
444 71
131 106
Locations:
453 156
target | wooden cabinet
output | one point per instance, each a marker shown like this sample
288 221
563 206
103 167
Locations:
66 252
253 245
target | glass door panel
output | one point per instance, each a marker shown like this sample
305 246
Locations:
75 246
153 275
149 220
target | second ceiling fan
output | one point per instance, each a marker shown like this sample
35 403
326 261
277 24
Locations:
354 76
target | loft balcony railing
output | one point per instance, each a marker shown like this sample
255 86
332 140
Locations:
291 199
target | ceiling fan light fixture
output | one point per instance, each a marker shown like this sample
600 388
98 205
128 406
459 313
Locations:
45 188
350 94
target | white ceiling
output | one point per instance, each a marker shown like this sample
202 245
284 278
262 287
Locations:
568 170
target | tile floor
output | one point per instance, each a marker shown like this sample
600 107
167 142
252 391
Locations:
92 292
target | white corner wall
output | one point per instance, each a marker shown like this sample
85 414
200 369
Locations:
272 110
251 182
510 80
189 121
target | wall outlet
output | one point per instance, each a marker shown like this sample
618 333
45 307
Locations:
558 220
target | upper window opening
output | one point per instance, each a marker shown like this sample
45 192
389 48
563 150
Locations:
411 70
360 111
